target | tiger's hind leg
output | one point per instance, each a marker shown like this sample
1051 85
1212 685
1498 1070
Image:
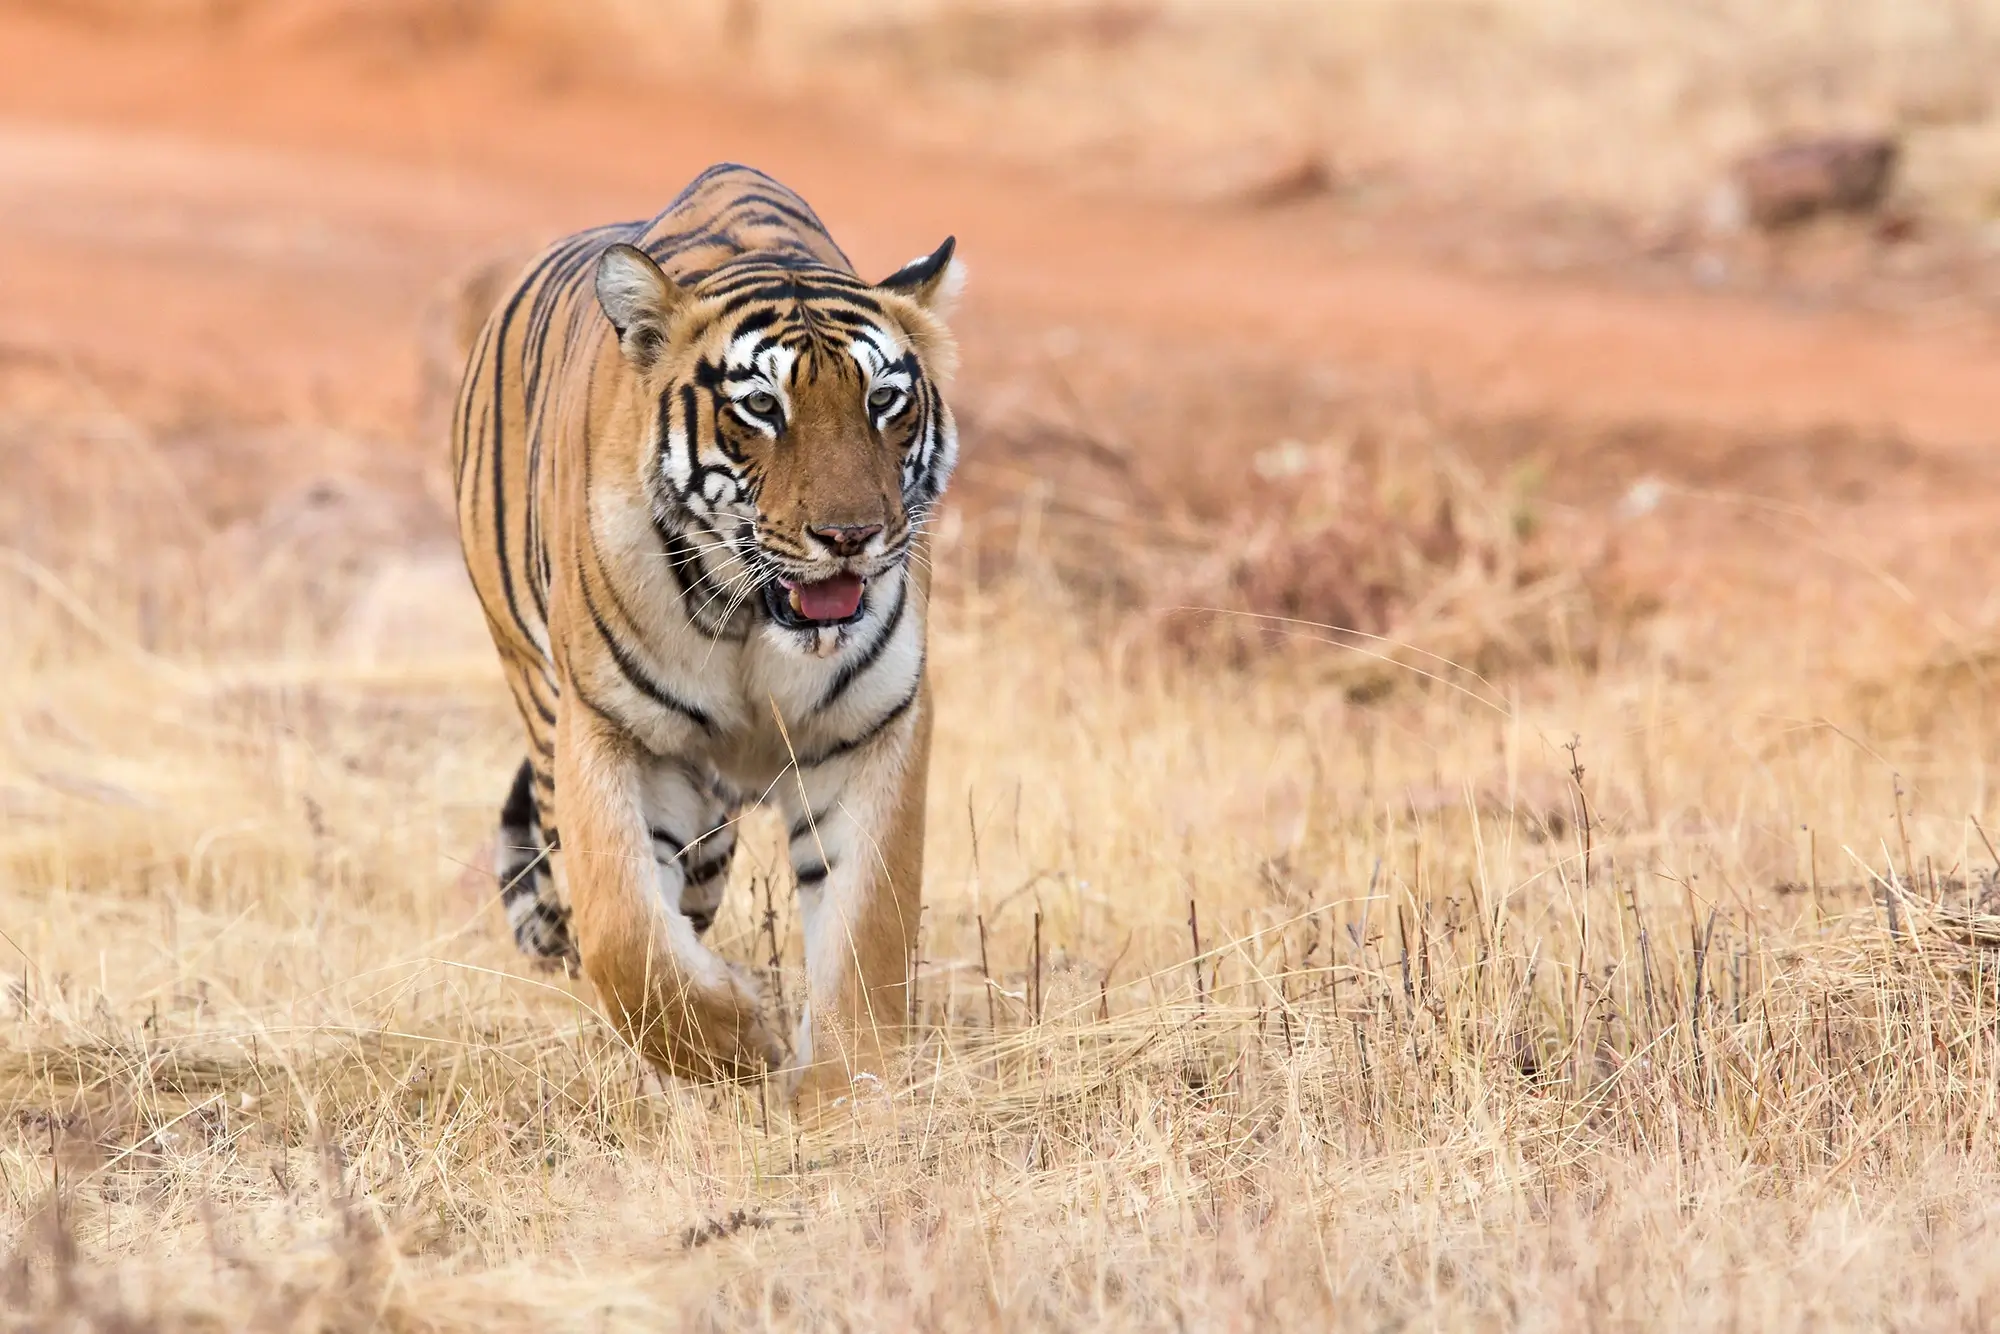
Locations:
527 881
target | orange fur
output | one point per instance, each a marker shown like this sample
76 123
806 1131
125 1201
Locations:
664 431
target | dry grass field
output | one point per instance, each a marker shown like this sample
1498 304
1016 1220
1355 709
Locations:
1242 1001
1627 107
1596 930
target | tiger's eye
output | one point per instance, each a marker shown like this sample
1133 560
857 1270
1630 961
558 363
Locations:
761 403
883 397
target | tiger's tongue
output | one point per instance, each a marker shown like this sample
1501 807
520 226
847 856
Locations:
832 599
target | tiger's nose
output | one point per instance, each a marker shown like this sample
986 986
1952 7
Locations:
847 539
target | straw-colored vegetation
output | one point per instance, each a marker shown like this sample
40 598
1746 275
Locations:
1625 997
1627 107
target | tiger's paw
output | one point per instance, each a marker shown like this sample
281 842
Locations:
753 1042
716 1032
542 933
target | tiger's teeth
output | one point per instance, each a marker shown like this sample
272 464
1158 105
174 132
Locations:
798 603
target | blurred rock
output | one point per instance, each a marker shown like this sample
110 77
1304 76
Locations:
1797 179
1262 176
1896 227
1286 180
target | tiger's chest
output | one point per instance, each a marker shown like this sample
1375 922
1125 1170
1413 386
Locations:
749 706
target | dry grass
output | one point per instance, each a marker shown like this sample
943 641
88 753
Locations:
1242 1004
1633 109
1253 994
1628 107
1236 505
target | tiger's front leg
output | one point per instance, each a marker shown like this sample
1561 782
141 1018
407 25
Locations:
682 1005
857 849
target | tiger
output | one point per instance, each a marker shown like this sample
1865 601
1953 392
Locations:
696 459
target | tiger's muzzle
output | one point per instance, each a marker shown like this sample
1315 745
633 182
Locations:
827 594
815 604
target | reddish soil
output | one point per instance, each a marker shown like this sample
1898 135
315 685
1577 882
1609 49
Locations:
254 224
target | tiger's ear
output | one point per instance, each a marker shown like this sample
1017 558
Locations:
638 299
933 281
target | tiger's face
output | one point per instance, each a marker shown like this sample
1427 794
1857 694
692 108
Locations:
798 422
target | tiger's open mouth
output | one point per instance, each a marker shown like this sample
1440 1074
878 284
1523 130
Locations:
810 606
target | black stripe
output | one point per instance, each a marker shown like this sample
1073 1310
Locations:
577 254
663 427
583 697
536 284
753 187
531 676
776 265
708 174
744 291
499 457
699 591
743 213
696 469
518 811
551 938
674 845
794 210
755 321
747 293
729 449
520 879
703 872
849 314
520 682
664 247
679 558
840 748
466 435
634 672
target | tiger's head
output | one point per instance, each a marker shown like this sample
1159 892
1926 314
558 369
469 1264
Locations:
798 419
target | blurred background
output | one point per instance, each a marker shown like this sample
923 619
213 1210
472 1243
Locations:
1633 297
1645 298
1476 526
